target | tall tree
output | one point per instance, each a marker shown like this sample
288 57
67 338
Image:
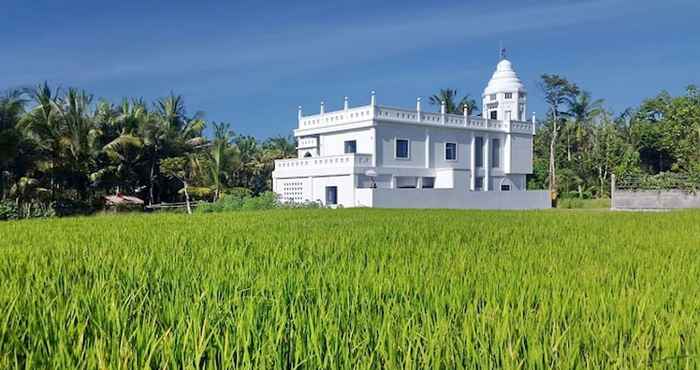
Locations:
221 155
11 111
557 91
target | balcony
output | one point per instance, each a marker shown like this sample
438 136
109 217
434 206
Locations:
326 165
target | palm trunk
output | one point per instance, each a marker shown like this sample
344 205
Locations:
187 198
552 158
150 187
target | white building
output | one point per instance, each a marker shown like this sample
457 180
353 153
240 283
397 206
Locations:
377 156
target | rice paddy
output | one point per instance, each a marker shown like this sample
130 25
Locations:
352 289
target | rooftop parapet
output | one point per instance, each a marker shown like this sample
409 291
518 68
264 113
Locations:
372 111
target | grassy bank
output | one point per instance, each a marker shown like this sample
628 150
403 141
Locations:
352 289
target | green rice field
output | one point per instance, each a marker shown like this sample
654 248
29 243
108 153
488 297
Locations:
352 289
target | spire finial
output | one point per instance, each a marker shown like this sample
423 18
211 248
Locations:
503 51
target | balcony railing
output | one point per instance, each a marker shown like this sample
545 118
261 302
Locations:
365 113
331 161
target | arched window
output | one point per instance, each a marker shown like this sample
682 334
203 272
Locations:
307 155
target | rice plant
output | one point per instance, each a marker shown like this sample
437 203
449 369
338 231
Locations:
352 289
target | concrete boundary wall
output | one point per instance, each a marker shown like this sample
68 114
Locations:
452 198
654 199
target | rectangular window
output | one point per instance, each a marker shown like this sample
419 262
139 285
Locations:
479 151
350 146
479 183
450 151
406 182
402 149
505 187
495 153
331 195
428 182
492 97
509 95
494 114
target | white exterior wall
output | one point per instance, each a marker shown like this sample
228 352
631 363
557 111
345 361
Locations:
334 143
520 154
346 189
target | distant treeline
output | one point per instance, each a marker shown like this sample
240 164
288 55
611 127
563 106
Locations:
62 151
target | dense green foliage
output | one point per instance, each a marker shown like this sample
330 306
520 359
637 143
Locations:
352 289
581 144
64 149
61 152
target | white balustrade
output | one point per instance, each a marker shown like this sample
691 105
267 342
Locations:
354 160
369 112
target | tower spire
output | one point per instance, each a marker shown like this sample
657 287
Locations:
503 52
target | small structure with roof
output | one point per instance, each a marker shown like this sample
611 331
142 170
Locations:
121 202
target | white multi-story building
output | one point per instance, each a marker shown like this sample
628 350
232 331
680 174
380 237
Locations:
378 156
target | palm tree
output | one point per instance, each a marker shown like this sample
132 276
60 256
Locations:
11 111
79 138
452 106
582 112
221 155
43 126
168 132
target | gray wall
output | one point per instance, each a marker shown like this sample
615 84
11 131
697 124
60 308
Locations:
654 199
458 198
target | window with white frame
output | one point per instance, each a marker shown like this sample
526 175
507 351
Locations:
509 95
450 151
402 149
505 187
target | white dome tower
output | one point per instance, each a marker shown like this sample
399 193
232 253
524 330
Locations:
505 96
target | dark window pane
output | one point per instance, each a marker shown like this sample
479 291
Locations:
479 183
495 153
479 151
350 146
401 148
450 151
331 195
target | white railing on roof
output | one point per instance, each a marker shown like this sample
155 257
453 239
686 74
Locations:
369 112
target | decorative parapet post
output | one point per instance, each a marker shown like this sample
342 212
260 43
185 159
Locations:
534 124
373 104
323 107
346 106
299 114
466 116
418 109
443 110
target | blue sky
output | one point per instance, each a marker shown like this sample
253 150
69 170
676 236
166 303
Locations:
251 63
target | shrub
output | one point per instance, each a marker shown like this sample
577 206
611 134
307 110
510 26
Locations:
8 211
266 200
